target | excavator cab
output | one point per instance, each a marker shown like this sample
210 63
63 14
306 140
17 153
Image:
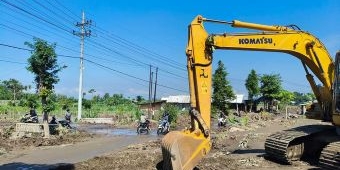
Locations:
336 86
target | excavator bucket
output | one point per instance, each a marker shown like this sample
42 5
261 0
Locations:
183 150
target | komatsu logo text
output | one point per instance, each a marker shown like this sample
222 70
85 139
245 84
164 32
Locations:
262 40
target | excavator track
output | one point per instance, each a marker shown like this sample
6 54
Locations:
330 156
288 145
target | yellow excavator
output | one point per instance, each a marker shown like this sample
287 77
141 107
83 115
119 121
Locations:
184 149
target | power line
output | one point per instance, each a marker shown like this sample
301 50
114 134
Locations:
98 44
137 61
131 75
51 23
14 62
65 19
95 63
131 45
76 16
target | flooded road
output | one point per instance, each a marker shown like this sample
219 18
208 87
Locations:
110 140
108 130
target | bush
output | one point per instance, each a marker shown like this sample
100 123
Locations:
232 119
244 121
173 112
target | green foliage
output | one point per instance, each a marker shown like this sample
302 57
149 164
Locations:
87 104
117 99
244 121
270 87
29 100
64 101
232 119
43 64
173 112
285 97
140 99
252 85
303 98
92 91
15 86
222 90
5 93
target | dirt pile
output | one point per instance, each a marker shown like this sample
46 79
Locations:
141 156
36 140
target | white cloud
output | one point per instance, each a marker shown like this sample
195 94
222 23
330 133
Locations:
67 91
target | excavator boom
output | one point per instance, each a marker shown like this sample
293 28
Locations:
183 150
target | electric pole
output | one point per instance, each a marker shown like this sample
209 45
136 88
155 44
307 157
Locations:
154 97
82 34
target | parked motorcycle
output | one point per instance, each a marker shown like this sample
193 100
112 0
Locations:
27 118
143 128
163 127
66 124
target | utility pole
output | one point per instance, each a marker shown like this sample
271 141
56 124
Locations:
82 34
150 91
154 97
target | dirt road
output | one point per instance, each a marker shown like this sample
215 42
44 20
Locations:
52 156
225 154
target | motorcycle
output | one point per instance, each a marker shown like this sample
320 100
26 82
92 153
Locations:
66 124
163 127
27 118
143 128
222 122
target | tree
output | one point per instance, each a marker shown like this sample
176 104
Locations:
303 98
43 64
285 97
15 86
92 91
270 88
252 85
5 93
222 90
139 99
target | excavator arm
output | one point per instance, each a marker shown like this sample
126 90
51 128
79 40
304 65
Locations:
183 150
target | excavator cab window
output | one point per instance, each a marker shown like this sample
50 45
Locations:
337 83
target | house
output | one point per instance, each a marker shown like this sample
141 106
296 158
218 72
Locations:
238 103
157 106
181 101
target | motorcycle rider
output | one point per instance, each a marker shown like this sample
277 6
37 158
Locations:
54 120
166 119
33 112
144 119
165 122
68 116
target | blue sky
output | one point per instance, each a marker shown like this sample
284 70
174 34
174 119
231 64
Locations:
130 35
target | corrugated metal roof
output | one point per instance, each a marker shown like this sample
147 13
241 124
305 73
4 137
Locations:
186 99
238 99
177 99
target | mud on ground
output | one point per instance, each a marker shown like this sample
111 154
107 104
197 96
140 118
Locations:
36 140
234 147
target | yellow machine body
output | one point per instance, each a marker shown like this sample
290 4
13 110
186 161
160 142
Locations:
184 149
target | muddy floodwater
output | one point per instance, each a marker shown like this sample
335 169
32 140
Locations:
112 131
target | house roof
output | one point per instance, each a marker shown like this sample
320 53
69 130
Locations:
177 99
238 99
